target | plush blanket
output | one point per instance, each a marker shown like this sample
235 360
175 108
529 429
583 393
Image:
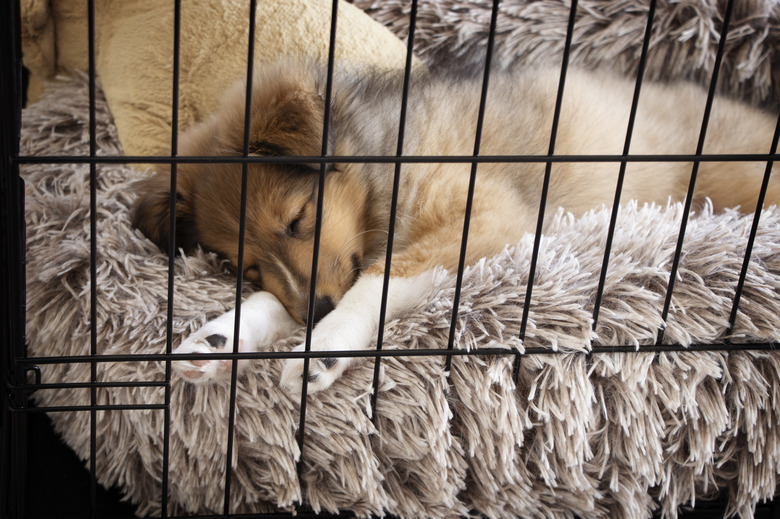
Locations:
599 435
602 435
452 34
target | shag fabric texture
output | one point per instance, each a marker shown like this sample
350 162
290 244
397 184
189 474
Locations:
452 34
605 435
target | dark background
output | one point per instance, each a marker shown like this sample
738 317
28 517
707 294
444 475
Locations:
58 483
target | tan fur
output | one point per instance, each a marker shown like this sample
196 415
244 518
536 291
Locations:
287 113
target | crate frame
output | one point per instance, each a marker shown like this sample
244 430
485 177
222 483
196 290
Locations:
18 370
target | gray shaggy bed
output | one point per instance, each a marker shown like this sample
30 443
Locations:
452 34
604 435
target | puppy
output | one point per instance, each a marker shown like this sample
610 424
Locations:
287 112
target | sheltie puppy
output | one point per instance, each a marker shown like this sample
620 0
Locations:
286 119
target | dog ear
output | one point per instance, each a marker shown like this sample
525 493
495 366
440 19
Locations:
151 212
289 122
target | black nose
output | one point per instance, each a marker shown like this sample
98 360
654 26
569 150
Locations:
322 307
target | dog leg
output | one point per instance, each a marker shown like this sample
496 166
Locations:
263 321
353 325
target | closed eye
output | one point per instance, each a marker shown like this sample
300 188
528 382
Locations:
294 227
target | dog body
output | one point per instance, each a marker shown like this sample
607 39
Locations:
286 119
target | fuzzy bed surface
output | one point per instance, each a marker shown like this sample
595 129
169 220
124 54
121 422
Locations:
606 435
452 34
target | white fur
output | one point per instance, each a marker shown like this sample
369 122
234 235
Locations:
354 324
263 321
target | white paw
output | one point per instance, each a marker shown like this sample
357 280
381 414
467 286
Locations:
337 331
353 326
263 321
214 337
323 372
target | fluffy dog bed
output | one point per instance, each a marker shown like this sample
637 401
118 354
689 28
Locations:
603 435
452 34
606 435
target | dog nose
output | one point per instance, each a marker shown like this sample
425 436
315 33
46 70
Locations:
322 307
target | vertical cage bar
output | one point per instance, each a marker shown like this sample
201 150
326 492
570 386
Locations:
317 232
92 263
546 182
394 204
754 229
472 182
241 243
695 170
623 164
171 256
13 429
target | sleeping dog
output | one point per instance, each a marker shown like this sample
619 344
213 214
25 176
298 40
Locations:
286 119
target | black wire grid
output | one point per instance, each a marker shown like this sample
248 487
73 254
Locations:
17 369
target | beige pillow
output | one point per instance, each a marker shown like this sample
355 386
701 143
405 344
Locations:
134 52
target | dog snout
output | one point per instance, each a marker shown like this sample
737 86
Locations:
322 307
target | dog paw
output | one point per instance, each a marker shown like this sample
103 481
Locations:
352 326
214 337
334 333
323 372
263 321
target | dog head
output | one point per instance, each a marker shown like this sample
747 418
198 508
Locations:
281 199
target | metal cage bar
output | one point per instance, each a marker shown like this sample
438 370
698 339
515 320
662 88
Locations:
754 228
241 244
13 426
640 74
404 159
546 181
394 204
93 350
16 366
695 170
317 233
472 181
171 247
